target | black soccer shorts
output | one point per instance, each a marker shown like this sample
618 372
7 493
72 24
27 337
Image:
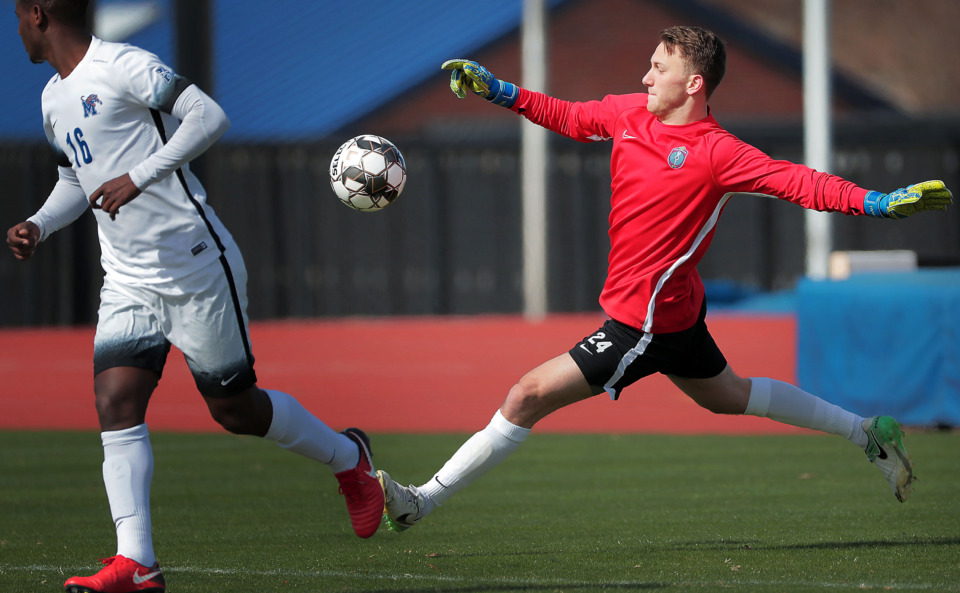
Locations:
618 355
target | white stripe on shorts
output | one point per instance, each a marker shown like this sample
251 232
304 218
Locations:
625 362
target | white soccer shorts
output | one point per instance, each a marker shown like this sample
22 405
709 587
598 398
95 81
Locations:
203 314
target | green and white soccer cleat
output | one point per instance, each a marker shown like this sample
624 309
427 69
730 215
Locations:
886 451
403 506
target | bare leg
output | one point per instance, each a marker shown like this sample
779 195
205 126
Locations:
547 388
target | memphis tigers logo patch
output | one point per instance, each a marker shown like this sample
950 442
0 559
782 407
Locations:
90 103
677 157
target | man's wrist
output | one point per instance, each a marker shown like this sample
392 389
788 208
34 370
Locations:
505 94
37 221
872 206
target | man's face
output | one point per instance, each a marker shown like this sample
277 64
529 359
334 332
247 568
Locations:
667 83
28 18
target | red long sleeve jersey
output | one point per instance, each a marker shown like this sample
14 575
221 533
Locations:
669 185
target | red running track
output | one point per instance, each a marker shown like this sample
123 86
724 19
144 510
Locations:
423 374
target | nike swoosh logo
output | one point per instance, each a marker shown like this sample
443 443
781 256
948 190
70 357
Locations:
139 580
372 473
882 454
627 136
226 382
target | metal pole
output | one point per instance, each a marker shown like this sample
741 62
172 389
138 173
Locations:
817 126
533 166
194 47
194 53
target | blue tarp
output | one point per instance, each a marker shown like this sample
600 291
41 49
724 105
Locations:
883 344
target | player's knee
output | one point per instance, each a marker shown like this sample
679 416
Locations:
108 399
121 397
241 414
524 402
113 410
523 394
232 420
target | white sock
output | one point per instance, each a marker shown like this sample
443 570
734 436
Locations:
481 453
127 472
789 404
294 428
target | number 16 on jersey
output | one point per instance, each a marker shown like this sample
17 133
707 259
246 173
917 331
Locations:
84 150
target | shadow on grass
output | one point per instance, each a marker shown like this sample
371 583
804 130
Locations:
755 545
558 586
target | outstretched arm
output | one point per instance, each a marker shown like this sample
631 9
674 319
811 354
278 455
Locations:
588 121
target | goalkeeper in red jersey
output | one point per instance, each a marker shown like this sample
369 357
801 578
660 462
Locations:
672 168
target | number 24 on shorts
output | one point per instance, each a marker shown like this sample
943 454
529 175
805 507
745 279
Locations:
597 341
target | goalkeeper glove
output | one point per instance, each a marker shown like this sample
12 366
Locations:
471 75
927 195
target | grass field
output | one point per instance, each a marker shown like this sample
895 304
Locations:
565 513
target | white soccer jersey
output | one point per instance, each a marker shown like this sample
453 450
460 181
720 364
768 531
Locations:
112 115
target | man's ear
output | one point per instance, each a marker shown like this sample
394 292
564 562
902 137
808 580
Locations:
695 84
40 17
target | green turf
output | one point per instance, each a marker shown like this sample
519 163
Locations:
565 513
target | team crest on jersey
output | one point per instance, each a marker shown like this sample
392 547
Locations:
677 157
165 74
90 103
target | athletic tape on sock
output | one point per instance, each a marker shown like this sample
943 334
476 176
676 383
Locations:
759 402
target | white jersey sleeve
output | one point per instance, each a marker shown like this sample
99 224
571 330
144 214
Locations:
66 202
202 122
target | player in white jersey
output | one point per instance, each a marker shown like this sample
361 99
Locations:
124 127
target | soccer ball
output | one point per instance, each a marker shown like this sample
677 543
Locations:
367 173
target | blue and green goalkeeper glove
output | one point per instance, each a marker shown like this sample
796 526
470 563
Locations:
927 195
469 75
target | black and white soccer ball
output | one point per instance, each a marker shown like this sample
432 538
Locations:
368 173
